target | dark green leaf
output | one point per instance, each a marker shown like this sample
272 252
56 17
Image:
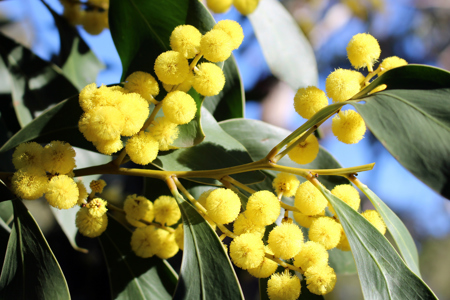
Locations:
6 210
382 272
36 83
342 261
133 277
287 51
30 270
411 120
398 230
5 193
218 150
206 272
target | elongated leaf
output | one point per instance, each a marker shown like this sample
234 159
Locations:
287 51
382 272
206 272
411 120
36 83
218 150
30 270
398 230
6 210
133 277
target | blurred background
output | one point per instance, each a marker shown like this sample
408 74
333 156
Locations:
416 30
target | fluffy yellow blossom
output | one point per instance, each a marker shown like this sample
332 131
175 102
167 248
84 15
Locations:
27 155
343 84
305 220
348 194
109 147
138 207
209 79
143 241
391 63
102 123
308 101
309 200
266 268
311 254
247 251
219 6
58 157
263 208
202 200
179 236
94 21
363 50
167 247
348 126
343 245
142 148
86 97
216 45
223 205
375 219
242 224
285 183
166 210
186 40
283 286
233 29
246 7
144 84
135 111
306 151
29 183
325 231
62 192
179 107
171 67
320 280
88 225
164 131
82 193
97 207
286 240
185 86
97 186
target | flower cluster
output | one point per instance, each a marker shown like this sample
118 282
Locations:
245 7
92 15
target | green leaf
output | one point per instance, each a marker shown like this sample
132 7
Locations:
411 120
204 156
398 230
30 270
6 210
36 83
133 277
206 272
342 261
5 193
229 103
382 272
58 123
287 51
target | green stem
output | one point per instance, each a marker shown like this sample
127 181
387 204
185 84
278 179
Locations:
288 207
238 184
152 116
282 263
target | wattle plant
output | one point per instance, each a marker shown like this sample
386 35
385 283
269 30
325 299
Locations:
221 188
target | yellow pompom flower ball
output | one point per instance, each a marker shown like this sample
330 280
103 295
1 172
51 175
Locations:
247 251
86 96
143 241
179 107
216 45
186 40
391 63
233 29
29 183
306 151
219 6
285 183
88 225
375 219
305 220
82 193
242 225
343 84
209 79
348 194
311 254
286 240
27 155
102 123
171 67
223 205
142 148
135 111
202 200
95 21
309 200
185 86
58 157
62 192
263 208
138 207
325 231
348 126
179 236
166 210
109 147
164 131
144 84
320 280
97 186
283 286
266 268
246 7
308 101
363 50
97 207
166 246
343 245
